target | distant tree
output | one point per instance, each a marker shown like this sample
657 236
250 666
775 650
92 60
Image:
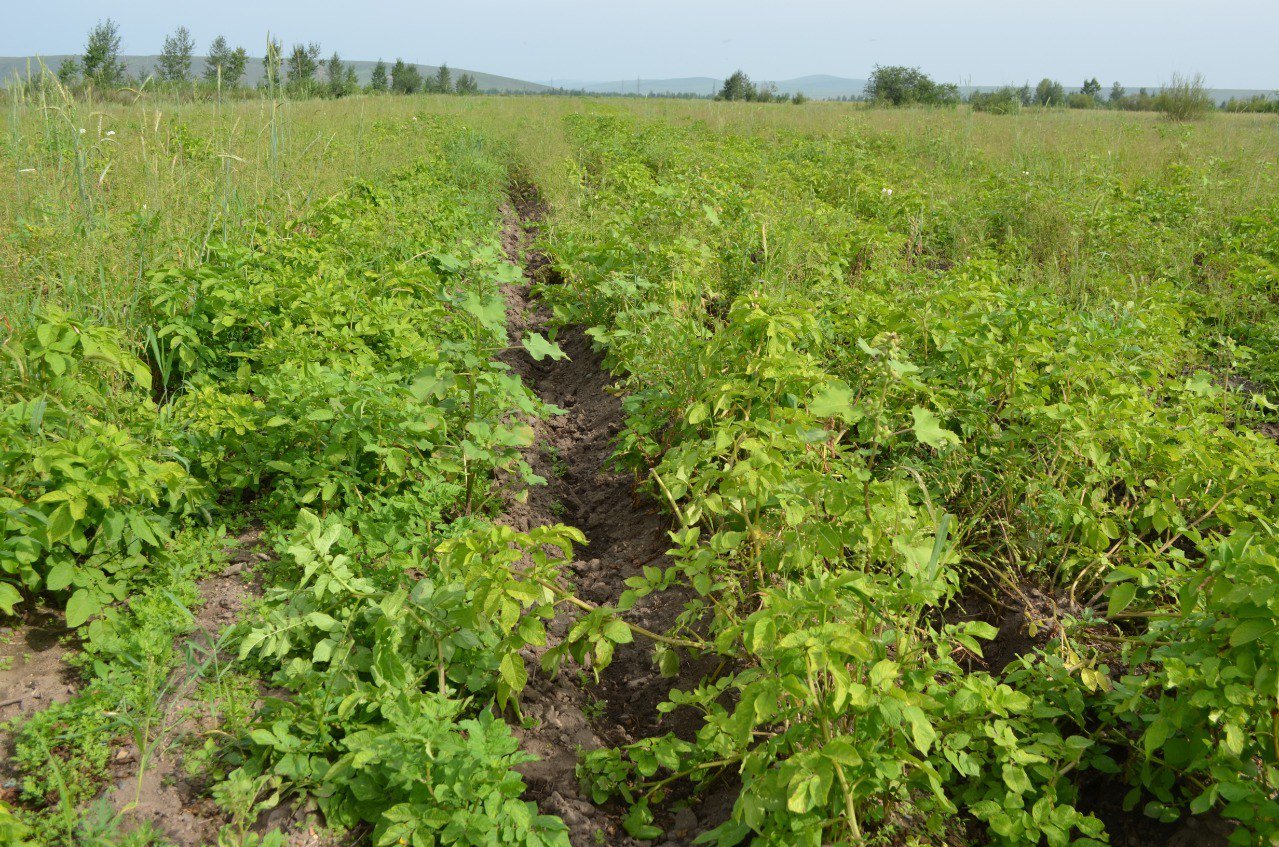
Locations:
350 80
69 70
215 63
302 65
1080 100
766 92
738 87
1117 94
1049 92
1257 104
272 63
442 83
379 81
231 63
405 78
1091 87
798 98
946 94
901 86
466 84
235 68
174 64
102 65
335 76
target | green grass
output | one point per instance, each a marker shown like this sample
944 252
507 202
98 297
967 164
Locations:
89 216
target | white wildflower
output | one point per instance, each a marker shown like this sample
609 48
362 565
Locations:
887 192
26 170
82 130
110 133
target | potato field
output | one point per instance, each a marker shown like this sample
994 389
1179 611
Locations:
555 471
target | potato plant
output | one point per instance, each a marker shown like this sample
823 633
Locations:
857 447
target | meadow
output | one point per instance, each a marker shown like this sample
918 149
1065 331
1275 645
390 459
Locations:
543 470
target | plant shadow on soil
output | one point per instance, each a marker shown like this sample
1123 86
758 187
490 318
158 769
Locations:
33 676
1027 622
32 672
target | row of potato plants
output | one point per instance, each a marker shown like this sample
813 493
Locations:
860 446
337 378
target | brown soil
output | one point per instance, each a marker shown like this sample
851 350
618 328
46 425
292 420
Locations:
172 800
1103 796
1016 616
573 452
33 675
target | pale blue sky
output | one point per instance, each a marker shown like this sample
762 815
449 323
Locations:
1138 42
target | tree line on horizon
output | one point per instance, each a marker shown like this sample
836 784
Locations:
1182 98
301 72
898 85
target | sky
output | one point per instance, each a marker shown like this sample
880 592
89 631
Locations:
980 42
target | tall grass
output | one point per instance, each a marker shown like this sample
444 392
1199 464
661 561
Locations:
93 197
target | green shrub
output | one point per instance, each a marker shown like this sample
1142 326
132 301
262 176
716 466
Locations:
1257 104
1184 98
897 85
1005 101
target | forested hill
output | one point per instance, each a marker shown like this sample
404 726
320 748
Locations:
142 66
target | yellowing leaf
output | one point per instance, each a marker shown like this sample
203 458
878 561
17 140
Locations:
883 674
539 347
921 730
835 400
928 429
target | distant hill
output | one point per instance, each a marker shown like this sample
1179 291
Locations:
702 85
819 86
142 66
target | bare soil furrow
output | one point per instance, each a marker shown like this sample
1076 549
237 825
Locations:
573 451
